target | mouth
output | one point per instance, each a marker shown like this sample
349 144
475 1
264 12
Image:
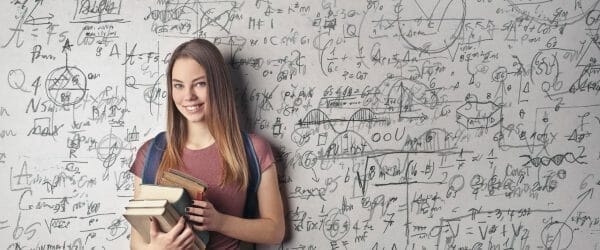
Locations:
194 108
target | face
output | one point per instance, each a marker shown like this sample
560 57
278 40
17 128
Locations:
190 89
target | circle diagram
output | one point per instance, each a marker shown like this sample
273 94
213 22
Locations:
66 86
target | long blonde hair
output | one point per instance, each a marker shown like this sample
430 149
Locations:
222 115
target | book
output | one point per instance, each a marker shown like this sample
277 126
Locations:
146 203
176 196
139 212
175 178
165 203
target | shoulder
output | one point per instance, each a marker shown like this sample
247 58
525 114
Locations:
140 157
148 142
146 145
258 141
263 150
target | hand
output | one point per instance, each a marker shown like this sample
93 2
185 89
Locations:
204 216
181 236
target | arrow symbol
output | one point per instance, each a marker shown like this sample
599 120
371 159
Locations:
315 178
587 194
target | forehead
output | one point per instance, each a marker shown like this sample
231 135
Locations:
187 68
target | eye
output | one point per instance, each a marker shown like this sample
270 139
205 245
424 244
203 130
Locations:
200 84
177 85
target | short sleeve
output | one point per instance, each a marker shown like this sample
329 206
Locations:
263 152
138 163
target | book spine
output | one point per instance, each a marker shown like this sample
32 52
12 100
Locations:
175 181
187 177
199 196
169 182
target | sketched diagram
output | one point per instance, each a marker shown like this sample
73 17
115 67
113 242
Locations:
395 99
405 97
197 18
474 115
554 12
318 117
108 149
397 96
434 26
545 68
66 85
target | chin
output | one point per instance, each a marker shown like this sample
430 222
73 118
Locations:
196 117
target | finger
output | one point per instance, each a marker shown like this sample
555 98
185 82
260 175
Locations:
194 211
198 203
189 241
176 230
186 233
154 227
194 219
200 227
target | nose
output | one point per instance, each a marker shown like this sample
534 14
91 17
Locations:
190 95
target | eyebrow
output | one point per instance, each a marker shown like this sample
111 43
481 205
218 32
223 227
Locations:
196 79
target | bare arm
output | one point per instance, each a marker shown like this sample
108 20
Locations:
269 228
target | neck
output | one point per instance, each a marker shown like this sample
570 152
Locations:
199 136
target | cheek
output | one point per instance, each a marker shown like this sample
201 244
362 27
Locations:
176 97
206 97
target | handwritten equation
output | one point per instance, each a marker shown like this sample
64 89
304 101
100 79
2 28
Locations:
397 124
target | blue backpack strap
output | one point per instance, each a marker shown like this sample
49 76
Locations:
251 206
153 157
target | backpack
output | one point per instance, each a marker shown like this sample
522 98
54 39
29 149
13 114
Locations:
158 146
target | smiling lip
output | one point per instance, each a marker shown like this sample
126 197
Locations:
194 108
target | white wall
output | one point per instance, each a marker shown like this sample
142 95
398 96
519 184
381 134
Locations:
397 124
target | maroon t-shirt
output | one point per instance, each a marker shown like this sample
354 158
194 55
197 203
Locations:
205 164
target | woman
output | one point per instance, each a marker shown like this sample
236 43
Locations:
203 139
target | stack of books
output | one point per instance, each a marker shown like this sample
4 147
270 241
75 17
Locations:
165 202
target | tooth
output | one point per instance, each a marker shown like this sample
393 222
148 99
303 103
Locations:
192 108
